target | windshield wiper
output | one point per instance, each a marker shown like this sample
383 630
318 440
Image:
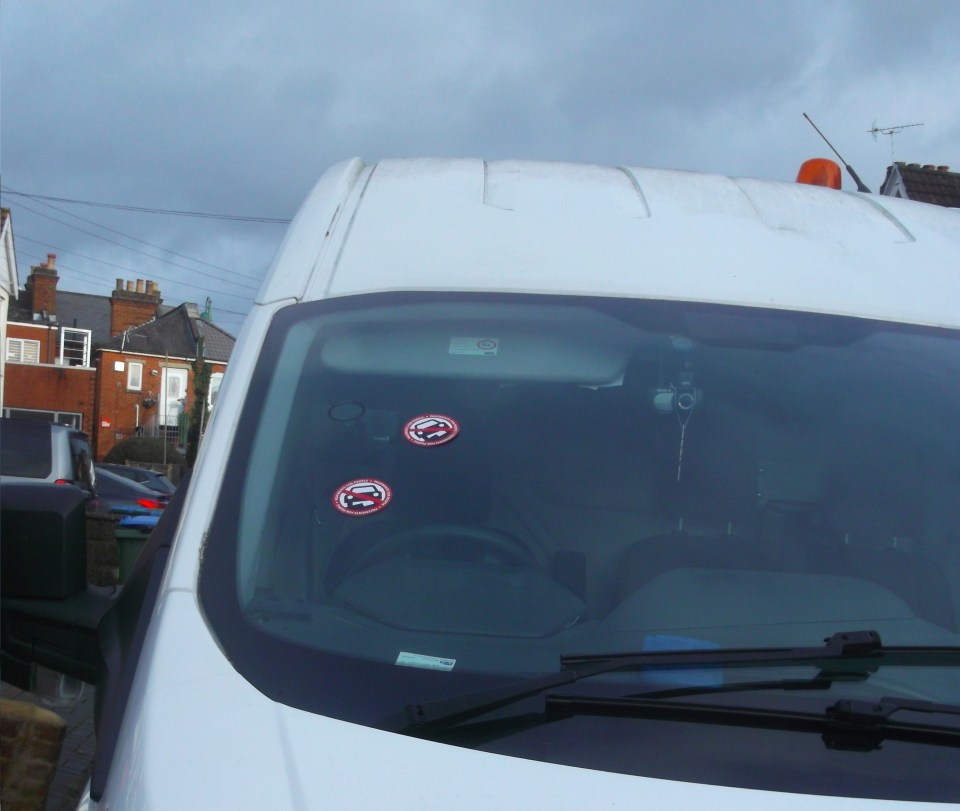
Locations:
863 647
847 724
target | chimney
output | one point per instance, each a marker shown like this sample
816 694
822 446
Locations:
41 287
133 304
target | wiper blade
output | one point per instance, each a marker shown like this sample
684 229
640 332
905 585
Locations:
862 646
847 724
844 645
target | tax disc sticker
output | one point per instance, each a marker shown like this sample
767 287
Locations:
426 662
362 497
430 429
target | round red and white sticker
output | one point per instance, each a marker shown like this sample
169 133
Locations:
428 430
362 497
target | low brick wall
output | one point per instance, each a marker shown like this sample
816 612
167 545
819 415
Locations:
30 742
103 553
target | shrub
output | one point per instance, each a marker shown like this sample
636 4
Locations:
143 449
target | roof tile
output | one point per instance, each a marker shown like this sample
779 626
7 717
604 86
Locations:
930 184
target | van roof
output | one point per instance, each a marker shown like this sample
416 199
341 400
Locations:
536 227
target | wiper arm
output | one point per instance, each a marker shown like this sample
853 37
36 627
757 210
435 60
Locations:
847 724
852 645
844 645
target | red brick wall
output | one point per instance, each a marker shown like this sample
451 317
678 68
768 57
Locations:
51 388
41 287
131 309
117 404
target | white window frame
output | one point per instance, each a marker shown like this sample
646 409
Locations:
23 350
81 353
134 384
72 419
212 391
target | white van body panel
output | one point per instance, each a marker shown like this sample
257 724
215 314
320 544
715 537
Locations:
522 227
198 735
307 238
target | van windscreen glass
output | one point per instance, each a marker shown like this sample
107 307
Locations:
434 494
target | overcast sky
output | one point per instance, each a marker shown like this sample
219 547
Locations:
236 107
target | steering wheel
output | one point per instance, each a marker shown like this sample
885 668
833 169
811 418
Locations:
447 542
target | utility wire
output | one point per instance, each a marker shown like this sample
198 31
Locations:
149 210
60 266
134 239
120 267
230 315
143 253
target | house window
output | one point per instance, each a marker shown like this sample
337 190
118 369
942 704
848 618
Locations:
215 380
74 347
134 376
68 418
23 350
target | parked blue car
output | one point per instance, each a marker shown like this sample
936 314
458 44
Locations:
148 478
115 494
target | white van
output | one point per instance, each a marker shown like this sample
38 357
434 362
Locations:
553 486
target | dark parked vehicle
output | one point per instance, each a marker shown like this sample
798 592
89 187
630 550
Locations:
120 495
148 478
33 451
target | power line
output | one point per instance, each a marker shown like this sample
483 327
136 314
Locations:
68 269
134 239
223 314
142 253
150 210
60 266
124 268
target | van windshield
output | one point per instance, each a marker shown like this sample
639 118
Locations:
430 492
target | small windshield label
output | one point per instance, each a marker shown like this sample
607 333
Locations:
428 430
474 346
426 662
362 497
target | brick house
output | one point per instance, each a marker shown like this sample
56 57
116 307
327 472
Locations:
49 371
145 381
927 184
104 364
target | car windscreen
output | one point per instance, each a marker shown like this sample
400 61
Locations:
432 493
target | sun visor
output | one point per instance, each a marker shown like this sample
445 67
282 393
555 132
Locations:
493 342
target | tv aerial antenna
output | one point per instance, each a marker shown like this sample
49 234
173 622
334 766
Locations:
891 131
